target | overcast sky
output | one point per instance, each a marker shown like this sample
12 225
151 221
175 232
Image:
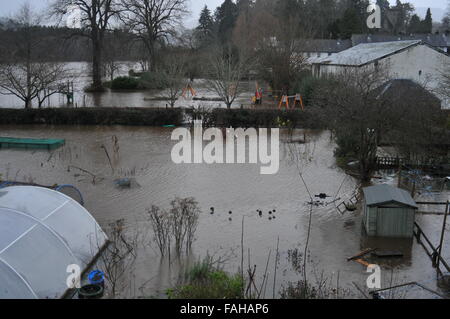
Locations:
8 7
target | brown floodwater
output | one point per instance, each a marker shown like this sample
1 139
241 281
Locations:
144 155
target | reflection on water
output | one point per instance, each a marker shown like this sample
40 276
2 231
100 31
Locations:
143 154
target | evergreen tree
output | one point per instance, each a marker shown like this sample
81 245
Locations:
205 29
225 18
427 24
415 24
350 24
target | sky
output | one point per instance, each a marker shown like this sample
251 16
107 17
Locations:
8 7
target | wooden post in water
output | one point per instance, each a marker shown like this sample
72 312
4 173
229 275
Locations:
443 234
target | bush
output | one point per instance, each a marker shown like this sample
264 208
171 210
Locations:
125 83
306 87
154 81
205 281
264 118
92 116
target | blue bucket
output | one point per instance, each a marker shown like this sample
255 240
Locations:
97 277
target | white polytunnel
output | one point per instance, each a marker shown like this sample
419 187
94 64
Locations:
42 233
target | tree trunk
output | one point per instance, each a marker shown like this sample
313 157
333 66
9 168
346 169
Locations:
96 61
151 56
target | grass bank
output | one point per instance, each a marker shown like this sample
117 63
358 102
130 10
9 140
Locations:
92 116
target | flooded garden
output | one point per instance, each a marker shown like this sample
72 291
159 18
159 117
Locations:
257 220
78 74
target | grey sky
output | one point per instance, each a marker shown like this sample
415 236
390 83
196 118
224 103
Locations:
8 7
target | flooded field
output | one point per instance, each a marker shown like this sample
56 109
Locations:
79 74
143 154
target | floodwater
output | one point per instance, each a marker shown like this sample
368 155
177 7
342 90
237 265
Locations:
144 155
78 73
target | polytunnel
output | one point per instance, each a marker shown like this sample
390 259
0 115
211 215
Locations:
42 233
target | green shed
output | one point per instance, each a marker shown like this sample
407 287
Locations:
389 212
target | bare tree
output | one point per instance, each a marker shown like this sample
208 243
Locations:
117 45
443 89
25 73
277 32
177 225
119 256
174 69
358 116
227 68
93 17
49 76
153 21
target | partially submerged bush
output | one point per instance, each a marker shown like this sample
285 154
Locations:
125 83
205 280
154 80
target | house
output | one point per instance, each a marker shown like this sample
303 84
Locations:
439 41
412 60
388 212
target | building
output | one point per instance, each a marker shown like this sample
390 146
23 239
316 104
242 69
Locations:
410 60
42 233
439 41
388 212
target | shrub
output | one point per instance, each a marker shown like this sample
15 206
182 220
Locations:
206 281
154 81
306 86
125 83
92 116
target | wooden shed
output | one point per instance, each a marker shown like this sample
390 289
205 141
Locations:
389 212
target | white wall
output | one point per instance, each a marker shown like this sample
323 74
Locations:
420 63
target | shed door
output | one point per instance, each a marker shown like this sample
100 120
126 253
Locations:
395 222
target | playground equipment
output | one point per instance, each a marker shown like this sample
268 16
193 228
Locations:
298 100
188 91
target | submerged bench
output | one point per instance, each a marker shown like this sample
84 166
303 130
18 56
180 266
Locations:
30 143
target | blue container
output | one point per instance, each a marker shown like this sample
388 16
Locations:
97 277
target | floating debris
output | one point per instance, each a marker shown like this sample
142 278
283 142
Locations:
387 254
123 182
322 196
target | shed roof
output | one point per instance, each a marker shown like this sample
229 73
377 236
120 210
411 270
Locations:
367 52
383 194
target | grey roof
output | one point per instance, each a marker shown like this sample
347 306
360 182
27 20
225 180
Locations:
406 90
384 194
366 53
325 45
435 40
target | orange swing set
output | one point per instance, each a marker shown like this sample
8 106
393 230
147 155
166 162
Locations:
188 91
298 100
